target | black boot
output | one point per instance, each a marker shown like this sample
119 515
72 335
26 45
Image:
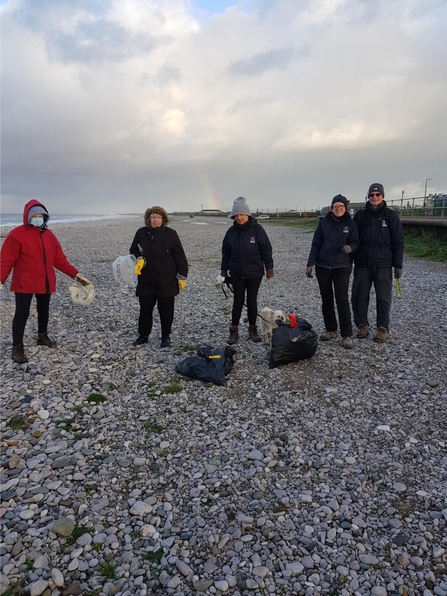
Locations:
165 342
18 354
44 340
253 334
234 335
141 339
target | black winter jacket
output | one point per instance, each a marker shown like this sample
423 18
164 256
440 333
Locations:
329 238
165 258
381 237
246 250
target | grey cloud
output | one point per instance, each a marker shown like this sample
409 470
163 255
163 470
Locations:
276 59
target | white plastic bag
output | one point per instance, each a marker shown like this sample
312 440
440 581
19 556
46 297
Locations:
82 295
124 270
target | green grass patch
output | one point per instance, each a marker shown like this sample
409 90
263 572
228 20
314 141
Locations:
96 398
153 557
108 571
67 423
152 427
305 223
173 387
18 423
80 531
426 245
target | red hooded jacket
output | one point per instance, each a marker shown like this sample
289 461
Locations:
33 253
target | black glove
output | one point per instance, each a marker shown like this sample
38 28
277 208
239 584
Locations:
397 272
309 271
346 249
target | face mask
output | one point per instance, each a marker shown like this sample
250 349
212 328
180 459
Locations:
36 221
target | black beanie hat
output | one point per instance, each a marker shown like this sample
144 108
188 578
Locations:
340 199
378 188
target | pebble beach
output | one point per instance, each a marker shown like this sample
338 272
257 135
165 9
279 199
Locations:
120 477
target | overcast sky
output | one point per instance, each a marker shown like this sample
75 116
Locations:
119 105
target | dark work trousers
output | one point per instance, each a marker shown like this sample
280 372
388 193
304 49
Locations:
335 281
23 303
166 311
240 286
364 277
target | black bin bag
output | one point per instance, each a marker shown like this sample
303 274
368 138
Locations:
211 365
290 344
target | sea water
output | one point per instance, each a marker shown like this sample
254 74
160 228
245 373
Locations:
16 219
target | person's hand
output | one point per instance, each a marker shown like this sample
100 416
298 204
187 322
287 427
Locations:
82 279
140 264
269 274
181 284
1 286
223 273
309 271
397 272
346 249
220 279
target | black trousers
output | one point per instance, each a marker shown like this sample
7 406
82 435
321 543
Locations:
335 281
364 277
165 308
240 287
23 303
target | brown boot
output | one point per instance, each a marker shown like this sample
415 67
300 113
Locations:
362 332
381 335
44 340
253 334
18 354
327 335
234 335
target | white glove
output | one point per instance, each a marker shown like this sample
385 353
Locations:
220 279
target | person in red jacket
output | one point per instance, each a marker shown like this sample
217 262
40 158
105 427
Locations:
33 251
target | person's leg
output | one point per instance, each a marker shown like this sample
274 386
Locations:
324 278
341 285
147 304
23 302
361 288
43 313
252 286
238 299
166 310
383 284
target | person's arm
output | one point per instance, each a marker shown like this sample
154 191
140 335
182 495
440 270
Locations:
317 242
266 250
134 248
397 241
353 239
180 259
226 254
60 260
9 254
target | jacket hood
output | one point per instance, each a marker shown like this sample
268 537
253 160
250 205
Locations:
29 206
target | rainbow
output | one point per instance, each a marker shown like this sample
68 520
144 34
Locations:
209 192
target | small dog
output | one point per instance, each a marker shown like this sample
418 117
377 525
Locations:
268 322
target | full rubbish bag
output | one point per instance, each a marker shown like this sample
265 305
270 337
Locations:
292 343
124 270
211 365
81 293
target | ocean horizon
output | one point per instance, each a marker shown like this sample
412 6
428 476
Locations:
13 220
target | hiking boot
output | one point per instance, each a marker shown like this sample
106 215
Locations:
362 332
346 342
253 334
327 335
142 339
165 342
44 340
18 354
234 335
381 335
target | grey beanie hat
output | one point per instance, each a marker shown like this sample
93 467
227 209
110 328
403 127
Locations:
240 207
378 188
38 209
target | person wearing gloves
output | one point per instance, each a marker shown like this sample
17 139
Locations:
162 270
32 251
335 240
246 252
381 249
